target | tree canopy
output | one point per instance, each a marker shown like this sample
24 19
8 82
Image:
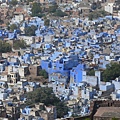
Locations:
19 44
96 14
5 47
1 21
96 5
13 2
60 13
91 72
43 73
112 71
28 1
46 22
36 10
115 118
87 118
46 96
30 31
13 27
52 8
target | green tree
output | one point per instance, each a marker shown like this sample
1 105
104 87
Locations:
97 13
94 15
112 71
5 47
91 72
103 12
87 118
13 2
13 27
36 10
46 96
46 22
28 1
115 118
43 73
60 13
96 5
1 21
93 6
30 31
19 44
8 25
52 8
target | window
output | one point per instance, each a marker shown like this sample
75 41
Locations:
60 67
54 67
74 76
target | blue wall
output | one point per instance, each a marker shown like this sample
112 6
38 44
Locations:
49 67
76 73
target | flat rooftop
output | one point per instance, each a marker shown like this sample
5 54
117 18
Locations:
110 112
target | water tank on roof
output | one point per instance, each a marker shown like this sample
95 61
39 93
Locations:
24 111
10 104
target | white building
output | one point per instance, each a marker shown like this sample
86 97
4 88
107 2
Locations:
23 71
28 39
119 14
6 78
92 80
87 93
116 95
109 8
106 86
18 18
3 96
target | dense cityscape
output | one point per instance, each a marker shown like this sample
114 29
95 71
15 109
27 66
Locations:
59 59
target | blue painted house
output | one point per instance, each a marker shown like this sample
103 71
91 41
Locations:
76 74
26 57
60 63
12 35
